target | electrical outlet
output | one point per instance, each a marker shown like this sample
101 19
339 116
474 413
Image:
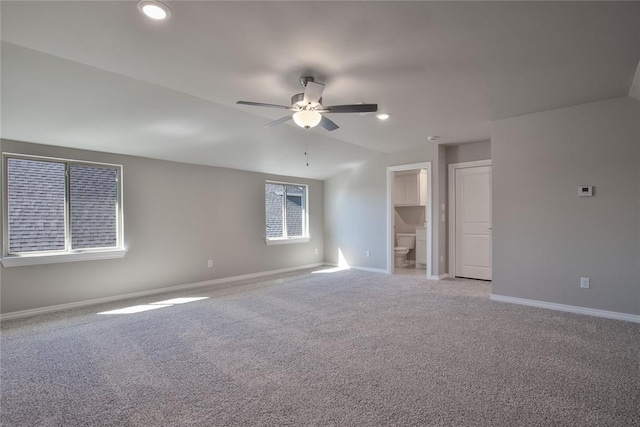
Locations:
210 263
316 251
367 254
585 282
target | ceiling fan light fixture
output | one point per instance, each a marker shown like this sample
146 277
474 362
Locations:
154 9
383 116
307 118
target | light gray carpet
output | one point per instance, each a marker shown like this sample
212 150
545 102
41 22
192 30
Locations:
346 348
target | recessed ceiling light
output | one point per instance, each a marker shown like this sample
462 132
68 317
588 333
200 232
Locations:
383 116
432 138
154 9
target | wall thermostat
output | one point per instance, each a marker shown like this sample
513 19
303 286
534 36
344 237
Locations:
585 191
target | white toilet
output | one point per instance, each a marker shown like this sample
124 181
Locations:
406 242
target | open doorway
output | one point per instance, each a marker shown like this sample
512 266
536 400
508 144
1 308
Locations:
408 191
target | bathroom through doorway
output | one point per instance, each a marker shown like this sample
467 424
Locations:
409 225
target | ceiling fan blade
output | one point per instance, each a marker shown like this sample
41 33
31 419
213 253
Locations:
328 124
277 122
313 92
355 108
260 104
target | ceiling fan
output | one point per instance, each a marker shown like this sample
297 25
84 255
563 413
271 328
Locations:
308 108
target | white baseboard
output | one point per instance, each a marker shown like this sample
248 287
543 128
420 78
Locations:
60 307
568 308
383 271
369 269
355 267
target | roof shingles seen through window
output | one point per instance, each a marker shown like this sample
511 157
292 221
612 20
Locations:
36 198
36 205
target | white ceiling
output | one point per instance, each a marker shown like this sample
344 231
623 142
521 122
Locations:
100 76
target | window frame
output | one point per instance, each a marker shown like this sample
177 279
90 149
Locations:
306 236
69 254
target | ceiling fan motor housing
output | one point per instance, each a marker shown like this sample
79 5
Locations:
297 100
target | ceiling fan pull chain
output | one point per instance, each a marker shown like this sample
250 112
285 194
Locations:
306 153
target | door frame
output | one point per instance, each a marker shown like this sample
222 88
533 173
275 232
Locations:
452 207
390 212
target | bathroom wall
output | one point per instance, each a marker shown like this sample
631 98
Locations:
407 218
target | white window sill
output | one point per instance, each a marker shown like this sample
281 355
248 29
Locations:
270 242
21 260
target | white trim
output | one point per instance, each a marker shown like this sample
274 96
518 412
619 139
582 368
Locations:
68 255
473 164
369 269
54 308
307 225
390 213
355 267
59 159
381 270
451 215
568 308
22 260
287 241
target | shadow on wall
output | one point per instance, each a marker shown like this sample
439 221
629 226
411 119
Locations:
409 218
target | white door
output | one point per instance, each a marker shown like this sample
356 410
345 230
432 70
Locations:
473 222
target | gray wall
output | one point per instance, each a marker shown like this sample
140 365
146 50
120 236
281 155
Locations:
545 236
356 211
176 217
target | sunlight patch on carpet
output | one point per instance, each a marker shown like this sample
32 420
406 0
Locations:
179 300
330 270
153 305
135 309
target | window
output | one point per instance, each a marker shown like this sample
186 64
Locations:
57 208
286 212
